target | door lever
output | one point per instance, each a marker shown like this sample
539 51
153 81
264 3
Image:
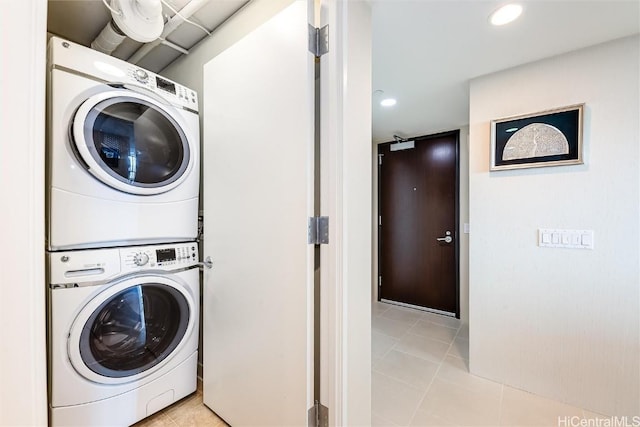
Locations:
446 239
206 263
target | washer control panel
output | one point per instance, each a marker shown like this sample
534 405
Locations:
164 257
72 269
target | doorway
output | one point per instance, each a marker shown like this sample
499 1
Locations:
418 207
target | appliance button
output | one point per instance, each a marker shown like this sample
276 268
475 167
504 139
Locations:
141 75
140 259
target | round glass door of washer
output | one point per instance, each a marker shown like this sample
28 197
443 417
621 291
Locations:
130 330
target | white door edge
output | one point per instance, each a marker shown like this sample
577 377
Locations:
346 199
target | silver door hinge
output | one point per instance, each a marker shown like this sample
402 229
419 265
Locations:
318 415
380 220
380 156
318 230
318 40
379 281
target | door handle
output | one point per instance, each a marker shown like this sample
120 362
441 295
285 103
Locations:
447 238
206 263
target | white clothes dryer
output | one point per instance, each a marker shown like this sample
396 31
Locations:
123 153
123 332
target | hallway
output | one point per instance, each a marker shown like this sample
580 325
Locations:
420 377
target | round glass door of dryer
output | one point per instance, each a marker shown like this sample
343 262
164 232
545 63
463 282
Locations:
128 332
131 142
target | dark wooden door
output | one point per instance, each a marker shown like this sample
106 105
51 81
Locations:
418 205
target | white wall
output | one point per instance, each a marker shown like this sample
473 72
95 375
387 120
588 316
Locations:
559 322
23 378
187 69
463 239
352 198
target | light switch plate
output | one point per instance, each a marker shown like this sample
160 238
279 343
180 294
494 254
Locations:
562 238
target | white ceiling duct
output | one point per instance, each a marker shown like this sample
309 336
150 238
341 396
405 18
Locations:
180 17
140 20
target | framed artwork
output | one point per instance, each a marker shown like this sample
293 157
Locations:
547 138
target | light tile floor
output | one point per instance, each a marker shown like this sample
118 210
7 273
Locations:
188 412
420 377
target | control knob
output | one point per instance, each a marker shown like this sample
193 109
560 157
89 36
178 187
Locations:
140 259
141 75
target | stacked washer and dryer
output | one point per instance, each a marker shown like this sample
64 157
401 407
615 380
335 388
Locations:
122 206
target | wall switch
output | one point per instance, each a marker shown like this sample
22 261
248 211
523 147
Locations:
560 238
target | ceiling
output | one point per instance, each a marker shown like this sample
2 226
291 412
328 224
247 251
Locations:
82 20
424 51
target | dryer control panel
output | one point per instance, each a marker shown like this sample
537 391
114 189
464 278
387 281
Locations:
72 57
170 90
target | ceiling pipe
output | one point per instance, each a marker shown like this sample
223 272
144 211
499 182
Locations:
139 19
189 9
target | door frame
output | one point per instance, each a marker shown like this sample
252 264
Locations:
346 197
24 391
378 192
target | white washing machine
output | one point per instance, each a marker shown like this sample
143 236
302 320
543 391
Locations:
123 332
123 153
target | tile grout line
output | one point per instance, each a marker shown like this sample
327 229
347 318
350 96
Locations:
424 396
389 349
390 423
173 422
450 344
397 340
393 347
403 382
434 339
501 403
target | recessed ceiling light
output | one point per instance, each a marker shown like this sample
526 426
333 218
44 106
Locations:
505 14
388 102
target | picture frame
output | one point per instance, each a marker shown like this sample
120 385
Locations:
547 138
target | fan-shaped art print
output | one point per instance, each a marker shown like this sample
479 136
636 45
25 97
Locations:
549 138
